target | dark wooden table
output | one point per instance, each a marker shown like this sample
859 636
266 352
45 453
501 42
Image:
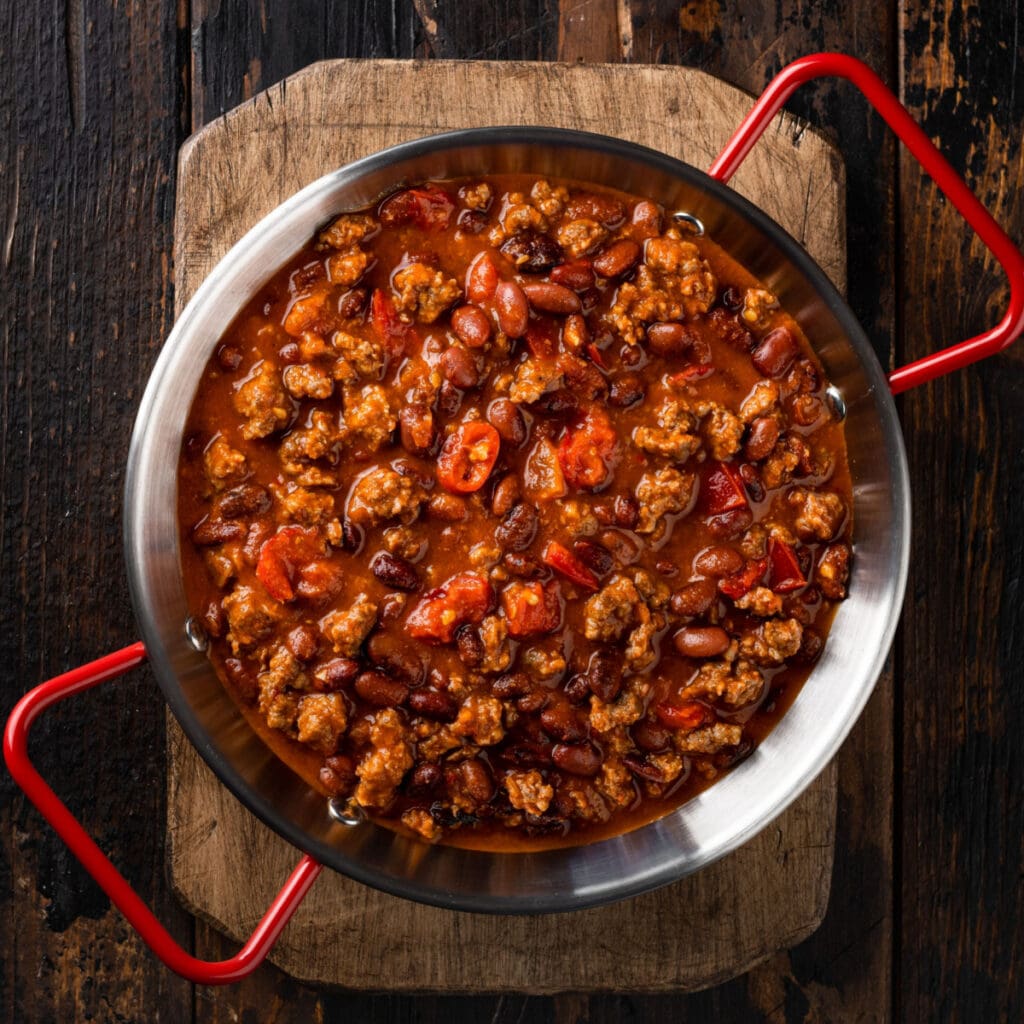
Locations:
926 920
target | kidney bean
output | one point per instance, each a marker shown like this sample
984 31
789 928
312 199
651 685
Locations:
289 353
532 253
481 278
552 298
433 704
650 735
472 222
512 308
775 353
731 525
764 432
302 642
752 482
595 556
694 598
718 561
576 758
391 607
244 500
619 258
241 678
531 703
449 399
555 403
393 655
732 299
214 619
353 536
460 368
811 647
505 495
380 690
604 675
670 339
604 209
730 330
395 572
334 674
562 722
575 332
578 275
352 303
504 415
470 646
577 689
521 565
474 780
416 426
516 531
213 531
646 220
425 778
623 549
471 326
338 775
229 357
626 389
643 768
804 409
701 641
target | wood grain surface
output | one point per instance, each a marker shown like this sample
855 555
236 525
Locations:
314 122
925 917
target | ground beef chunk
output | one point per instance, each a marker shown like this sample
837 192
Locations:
322 721
664 492
479 719
550 201
615 783
710 739
760 601
223 464
527 791
577 518
497 653
833 571
735 684
345 268
310 444
262 401
423 293
543 663
365 356
772 642
633 603
578 799
609 612
763 399
784 461
477 196
534 378
381 494
675 435
758 305
280 709
384 767
628 708
316 313
722 430
420 822
348 230
521 217
369 419
305 380
251 617
578 237
820 513
306 507
283 671
347 629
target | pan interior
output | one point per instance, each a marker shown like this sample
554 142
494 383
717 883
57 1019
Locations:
716 821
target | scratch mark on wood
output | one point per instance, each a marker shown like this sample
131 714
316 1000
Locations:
74 50
12 218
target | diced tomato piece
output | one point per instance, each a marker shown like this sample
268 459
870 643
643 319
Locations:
786 573
284 556
392 330
428 207
465 598
723 490
743 581
595 356
588 450
319 580
562 560
467 457
532 608
690 715
481 279
542 337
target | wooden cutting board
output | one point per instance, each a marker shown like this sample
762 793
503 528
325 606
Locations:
224 864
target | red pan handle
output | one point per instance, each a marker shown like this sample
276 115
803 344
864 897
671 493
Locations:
816 65
110 880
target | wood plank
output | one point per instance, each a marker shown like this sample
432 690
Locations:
340 111
962 758
87 146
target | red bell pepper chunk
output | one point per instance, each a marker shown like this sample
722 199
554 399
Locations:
392 330
690 715
467 457
743 581
786 574
531 608
723 490
465 598
284 556
588 450
542 337
428 207
562 560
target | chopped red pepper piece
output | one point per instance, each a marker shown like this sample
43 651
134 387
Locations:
723 490
743 581
464 598
690 715
468 456
428 207
786 573
392 330
284 556
531 608
588 450
562 560
542 337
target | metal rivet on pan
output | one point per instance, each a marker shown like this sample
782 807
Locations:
345 812
695 224
836 399
196 635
